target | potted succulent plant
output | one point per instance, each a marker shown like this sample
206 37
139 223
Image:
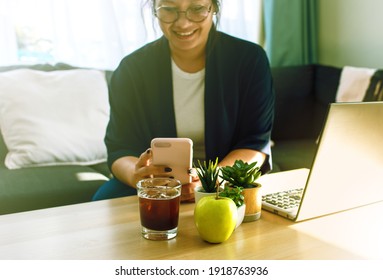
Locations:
244 175
208 175
236 194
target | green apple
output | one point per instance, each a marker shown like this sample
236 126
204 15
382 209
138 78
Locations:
215 218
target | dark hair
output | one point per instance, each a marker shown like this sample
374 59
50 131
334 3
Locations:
216 4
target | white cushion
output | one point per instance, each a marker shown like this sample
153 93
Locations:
353 83
53 118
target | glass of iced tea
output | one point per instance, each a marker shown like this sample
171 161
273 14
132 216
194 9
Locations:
159 203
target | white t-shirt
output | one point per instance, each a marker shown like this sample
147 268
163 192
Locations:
188 91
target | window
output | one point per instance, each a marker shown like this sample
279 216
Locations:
96 33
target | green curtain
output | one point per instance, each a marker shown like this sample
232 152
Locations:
290 31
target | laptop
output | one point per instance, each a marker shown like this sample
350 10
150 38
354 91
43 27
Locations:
347 171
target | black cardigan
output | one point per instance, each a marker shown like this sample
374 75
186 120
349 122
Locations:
239 99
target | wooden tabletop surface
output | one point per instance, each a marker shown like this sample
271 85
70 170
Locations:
110 229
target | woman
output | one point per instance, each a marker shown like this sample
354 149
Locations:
193 82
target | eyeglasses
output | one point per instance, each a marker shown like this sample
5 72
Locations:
193 13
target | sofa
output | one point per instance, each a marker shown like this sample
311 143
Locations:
302 97
31 188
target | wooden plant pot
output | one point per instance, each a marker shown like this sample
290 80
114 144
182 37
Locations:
253 201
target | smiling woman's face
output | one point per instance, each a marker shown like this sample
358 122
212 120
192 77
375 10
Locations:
183 34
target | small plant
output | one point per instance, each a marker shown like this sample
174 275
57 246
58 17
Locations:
241 174
235 194
208 175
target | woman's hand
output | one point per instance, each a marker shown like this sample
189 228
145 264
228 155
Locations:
145 169
130 170
187 193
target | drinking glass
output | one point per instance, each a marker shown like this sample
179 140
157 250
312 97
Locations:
159 202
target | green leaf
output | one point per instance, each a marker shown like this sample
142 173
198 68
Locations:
241 174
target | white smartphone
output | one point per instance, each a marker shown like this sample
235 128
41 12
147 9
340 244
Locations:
176 153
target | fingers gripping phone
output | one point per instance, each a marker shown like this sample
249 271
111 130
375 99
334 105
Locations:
176 153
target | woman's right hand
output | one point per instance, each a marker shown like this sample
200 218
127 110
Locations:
145 169
130 170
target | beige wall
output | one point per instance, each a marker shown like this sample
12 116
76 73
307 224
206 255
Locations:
351 33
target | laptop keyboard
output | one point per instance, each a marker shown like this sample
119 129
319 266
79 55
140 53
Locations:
284 199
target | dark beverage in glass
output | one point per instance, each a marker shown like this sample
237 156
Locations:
159 214
159 202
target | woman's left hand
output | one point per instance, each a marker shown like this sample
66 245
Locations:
187 191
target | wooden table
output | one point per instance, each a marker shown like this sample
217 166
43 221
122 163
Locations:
110 229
